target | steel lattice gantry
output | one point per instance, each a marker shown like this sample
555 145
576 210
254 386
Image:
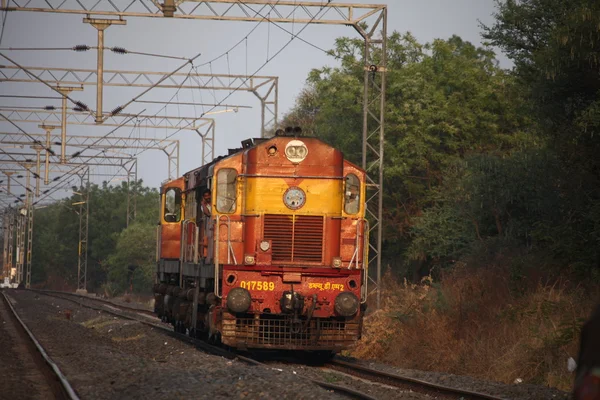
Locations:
109 143
265 88
23 217
8 225
48 120
82 247
287 11
18 222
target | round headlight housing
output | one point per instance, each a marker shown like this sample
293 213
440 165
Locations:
296 151
238 300
346 304
294 198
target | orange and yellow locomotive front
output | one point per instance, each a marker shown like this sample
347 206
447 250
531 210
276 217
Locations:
289 218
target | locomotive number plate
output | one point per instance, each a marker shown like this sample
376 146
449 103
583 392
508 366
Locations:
258 285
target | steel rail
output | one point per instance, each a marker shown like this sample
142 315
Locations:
180 336
67 390
403 381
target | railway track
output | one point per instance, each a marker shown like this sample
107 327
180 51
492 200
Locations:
32 361
401 382
111 308
406 382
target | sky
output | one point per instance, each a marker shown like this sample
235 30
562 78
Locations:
425 19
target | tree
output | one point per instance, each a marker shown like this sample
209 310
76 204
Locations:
446 100
555 45
56 232
133 258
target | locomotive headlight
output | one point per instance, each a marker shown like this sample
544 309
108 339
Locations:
239 300
249 259
296 151
337 262
264 245
346 304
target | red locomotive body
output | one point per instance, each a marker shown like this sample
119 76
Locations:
266 248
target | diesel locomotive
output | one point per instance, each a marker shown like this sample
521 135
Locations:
266 248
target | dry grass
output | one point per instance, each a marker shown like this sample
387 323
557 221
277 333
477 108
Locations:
472 323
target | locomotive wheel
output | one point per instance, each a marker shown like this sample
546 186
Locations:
215 339
177 327
321 357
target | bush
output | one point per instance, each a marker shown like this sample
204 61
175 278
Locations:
472 322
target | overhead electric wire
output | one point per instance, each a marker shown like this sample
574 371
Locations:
291 33
80 104
85 47
34 140
44 108
35 48
240 41
76 168
4 23
84 107
18 96
70 173
176 92
35 175
248 77
245 38
119 109
184 103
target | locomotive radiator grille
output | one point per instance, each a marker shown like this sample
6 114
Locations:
295 238
278 332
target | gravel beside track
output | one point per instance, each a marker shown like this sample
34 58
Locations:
512 392
105 357
21 369
376 390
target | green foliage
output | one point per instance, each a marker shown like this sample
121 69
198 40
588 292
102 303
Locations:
56 237
555 45
446 101
132 262
479 159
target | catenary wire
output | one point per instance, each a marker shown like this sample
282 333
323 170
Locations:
80 104
85 47
4 23
251 76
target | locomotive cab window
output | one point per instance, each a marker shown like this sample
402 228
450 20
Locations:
172 211
226 190
352 194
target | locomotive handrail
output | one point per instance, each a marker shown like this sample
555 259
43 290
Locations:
183 243
158 242
230 251
196 260
354 258
216 257
365 292
185 253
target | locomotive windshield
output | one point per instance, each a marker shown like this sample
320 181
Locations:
172 211
226 190
352 194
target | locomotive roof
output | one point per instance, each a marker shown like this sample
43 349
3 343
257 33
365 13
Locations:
201 172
